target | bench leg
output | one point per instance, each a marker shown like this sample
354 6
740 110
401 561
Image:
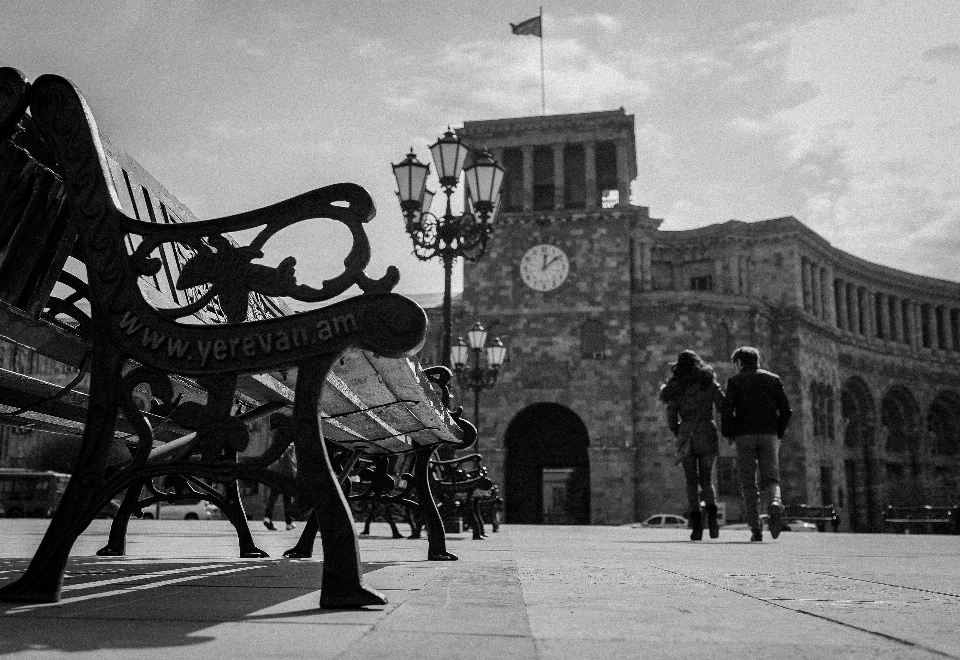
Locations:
436 537
43 580
233 509
416 528
342 586
117 541
304 547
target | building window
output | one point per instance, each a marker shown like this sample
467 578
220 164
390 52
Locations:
831 419
815 409
878 316
892 313
543 178
905 308
942 329
512 194
701 283
926 332
826 485
606 169
822 409
955 328
838 293
574 177
593 343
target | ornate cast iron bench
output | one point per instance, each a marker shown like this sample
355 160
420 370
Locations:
139 346
458 484
922 519
489 508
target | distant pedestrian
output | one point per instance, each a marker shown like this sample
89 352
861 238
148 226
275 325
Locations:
381 485
755 418
691 394
285 465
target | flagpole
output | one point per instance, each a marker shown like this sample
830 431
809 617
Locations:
543 80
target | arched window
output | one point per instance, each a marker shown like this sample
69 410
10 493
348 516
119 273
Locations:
857 409
899 415
593 343
943 425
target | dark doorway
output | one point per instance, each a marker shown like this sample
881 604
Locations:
547 471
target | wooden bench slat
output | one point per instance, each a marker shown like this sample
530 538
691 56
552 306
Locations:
46 339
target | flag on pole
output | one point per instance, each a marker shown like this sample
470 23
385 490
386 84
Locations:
530 26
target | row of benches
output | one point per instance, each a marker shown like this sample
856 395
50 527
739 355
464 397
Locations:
925 519
172 396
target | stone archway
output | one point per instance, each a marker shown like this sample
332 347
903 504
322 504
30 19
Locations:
860 464
899 443
942 445
547 467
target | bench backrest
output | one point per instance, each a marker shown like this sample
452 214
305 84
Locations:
153 337
35 234
187 263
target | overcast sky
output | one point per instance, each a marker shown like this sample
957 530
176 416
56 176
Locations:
843 114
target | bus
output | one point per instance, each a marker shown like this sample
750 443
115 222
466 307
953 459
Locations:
30 493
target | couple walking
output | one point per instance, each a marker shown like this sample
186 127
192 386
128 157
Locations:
754 415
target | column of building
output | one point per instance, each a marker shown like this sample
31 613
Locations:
559 184
840 295
527 152
829 304
590 167
624 154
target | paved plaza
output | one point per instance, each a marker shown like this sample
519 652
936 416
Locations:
525 592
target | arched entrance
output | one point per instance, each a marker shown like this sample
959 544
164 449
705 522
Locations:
900 442
942 445
859 424
547 468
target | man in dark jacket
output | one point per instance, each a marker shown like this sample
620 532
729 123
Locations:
755 417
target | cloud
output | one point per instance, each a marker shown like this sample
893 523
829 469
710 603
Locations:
565 26
947 53
908 82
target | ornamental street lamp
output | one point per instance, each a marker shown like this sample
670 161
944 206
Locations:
470 374
449 236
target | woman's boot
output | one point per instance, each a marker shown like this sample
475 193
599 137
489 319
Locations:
696 524
712 522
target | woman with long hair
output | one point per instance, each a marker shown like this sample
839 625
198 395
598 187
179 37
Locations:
691 395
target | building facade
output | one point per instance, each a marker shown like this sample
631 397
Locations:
594 301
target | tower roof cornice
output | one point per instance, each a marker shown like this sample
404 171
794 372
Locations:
605 121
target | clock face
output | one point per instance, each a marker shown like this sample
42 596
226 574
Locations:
544 267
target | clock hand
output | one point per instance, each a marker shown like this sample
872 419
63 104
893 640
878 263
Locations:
548 263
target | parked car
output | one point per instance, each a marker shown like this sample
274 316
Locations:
788 525
183 510
665 521
799 526
109 509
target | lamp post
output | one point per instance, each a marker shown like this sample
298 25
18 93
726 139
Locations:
470 373
449 236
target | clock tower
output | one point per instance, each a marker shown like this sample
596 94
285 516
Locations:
557 283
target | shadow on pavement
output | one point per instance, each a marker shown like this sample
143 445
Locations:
119 603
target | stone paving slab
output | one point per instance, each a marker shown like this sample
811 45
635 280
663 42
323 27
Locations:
526 592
